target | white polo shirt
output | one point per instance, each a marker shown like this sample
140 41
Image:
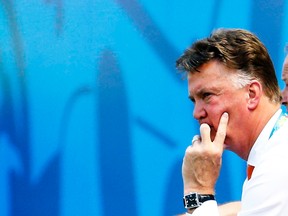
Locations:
266 193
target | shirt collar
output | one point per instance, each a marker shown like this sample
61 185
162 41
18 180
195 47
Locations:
262 139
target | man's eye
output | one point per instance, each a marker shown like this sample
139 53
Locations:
206 95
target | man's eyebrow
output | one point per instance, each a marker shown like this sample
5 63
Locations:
198 93
201 91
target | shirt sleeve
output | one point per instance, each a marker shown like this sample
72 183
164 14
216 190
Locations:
207 208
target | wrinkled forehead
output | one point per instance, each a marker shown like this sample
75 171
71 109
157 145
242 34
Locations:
211 76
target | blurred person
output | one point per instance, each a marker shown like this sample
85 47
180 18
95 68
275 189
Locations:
285 79
237 101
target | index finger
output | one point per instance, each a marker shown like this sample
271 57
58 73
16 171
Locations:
221 132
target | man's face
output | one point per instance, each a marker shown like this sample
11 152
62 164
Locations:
213 93
285 79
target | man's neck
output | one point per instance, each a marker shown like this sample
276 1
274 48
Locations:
259 120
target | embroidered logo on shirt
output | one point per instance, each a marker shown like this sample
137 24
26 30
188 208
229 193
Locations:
281 121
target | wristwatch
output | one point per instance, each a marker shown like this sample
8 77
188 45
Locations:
194 200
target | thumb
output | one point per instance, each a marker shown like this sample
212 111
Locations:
205 134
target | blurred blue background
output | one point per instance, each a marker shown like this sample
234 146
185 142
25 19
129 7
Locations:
94 118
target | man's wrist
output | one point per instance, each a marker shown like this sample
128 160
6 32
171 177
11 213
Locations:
188 190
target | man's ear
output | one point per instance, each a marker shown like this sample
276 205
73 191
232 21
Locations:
254 94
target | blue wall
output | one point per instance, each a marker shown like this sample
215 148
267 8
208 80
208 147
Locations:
94 118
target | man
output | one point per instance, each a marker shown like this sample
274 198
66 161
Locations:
285 79
237 101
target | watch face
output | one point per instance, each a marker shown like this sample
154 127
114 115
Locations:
191 201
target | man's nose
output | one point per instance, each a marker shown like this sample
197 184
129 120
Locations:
199 111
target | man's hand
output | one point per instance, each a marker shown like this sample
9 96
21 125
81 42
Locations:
202 160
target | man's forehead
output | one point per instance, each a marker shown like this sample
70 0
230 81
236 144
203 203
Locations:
200 89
